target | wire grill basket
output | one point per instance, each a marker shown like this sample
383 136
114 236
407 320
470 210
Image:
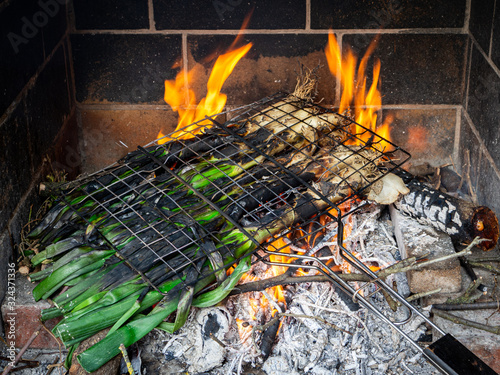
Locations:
179 206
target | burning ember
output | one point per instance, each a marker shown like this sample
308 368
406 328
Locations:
273 297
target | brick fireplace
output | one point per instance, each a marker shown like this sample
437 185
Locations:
83 82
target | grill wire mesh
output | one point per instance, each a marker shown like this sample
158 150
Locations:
161 233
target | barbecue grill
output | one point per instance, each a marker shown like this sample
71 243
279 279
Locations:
131 181
170 241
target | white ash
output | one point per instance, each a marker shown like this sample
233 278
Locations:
374 347
373 239
418 234
200 342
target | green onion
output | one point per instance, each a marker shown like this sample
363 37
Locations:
104 350
69 271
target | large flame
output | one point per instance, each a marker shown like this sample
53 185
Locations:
364 102
182 99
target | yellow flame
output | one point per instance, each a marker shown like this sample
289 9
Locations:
365 103
183 100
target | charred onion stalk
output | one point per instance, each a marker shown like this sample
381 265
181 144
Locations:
87 248
305 207
462 220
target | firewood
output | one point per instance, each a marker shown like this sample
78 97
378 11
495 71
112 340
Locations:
467 306
462 220
466 322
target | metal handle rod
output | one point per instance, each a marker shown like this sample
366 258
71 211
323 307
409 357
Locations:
365 303
400 322
351 259
344 286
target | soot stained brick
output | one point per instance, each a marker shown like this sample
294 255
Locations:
30 31
390 14
272 64
417 69
427 134
470 153
14 163
495 51
123 68
484 103
229 14
481 21
47 106
111 14
22 49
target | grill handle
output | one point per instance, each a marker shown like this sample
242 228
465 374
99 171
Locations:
451 357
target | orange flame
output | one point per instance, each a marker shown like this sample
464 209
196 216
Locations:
183 100
278 245
374 268
276 293
365 103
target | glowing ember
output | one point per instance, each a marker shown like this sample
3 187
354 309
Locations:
365 103
417 136
244 329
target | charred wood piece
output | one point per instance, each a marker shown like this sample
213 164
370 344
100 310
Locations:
472 274
495 305
268 338
462 220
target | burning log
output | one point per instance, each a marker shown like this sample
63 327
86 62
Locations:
462 220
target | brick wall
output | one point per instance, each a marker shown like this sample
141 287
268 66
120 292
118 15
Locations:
480 132
37 117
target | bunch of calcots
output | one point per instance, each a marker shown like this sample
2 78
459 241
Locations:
87 250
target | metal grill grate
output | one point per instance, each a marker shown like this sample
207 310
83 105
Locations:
177 209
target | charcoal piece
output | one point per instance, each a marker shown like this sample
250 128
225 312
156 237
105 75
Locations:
451 181
268 337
